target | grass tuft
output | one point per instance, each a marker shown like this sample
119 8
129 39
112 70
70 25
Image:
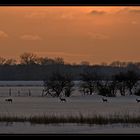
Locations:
53 119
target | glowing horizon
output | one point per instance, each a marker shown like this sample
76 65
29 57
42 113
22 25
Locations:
95 34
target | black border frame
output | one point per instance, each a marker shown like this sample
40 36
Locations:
70 3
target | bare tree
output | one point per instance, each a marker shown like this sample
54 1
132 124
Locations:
57 84
137 90
69 85
2 60
88 82
85 63
10 62
118 64
103 64
131 80
107 88
45 61
28 58
127 81
121 83
59 60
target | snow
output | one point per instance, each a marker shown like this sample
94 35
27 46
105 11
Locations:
27 128
88 105
25 83
21 83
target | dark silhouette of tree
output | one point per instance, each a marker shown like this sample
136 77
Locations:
45 61
57 84
137 64
113 88
85 63
89 81
28 59
131 80
127 81
121 82
59 60
137 90
107 88
2 60
132 67
10 62
103 88
103 64
32 67
69 85
118 64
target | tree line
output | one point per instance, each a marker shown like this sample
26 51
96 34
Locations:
123 83
32 59
32 67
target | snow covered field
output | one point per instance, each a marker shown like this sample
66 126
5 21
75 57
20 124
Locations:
23 87
26 128
76 104
86 105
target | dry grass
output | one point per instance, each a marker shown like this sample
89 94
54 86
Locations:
80 119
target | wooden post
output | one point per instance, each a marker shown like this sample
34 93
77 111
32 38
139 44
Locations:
10 93
42 92
29 92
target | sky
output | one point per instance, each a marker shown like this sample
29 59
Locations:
76 33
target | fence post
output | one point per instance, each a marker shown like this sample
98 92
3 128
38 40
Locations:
42 92
10 93
29 93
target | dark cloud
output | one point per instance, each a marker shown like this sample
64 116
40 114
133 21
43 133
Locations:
134 11
129 10
96 12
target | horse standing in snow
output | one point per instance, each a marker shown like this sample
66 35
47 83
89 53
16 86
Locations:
9 100
138 100
104 100
62 99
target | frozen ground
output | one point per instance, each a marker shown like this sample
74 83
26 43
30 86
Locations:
75 105
86 105
22 88
26 128
21 83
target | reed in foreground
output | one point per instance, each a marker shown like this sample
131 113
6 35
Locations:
53 119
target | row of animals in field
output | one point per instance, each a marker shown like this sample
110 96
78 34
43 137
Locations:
103 99
106 100
9 100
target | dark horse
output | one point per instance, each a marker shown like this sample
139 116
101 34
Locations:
62 99
138 100
9 100
104 100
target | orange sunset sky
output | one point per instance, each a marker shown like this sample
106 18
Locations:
92 33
